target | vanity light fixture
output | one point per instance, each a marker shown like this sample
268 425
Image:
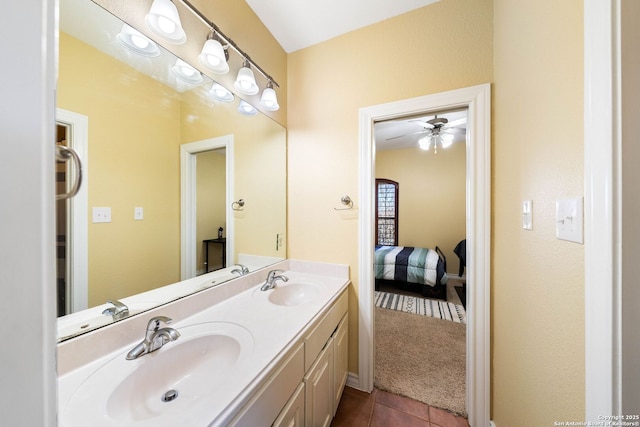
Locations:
163 19
246 108
187 73
214 56
246 82
220 93
137 42
269 100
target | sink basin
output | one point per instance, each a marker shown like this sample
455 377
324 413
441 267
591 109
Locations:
293 293
166 383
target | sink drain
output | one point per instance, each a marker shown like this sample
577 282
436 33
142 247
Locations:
169 396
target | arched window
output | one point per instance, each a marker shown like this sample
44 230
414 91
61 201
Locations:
386 212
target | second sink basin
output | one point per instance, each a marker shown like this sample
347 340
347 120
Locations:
165 383
294 293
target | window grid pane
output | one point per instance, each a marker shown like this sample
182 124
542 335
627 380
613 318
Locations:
387 215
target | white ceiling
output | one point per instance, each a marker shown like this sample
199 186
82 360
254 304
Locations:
297 24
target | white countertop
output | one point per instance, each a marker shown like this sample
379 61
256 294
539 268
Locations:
273 329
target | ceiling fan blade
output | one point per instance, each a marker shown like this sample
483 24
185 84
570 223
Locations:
423 123
459 131
458 122
408 134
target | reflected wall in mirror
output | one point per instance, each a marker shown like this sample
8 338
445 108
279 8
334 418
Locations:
138 117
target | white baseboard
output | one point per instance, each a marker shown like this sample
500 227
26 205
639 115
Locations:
492 424
353 381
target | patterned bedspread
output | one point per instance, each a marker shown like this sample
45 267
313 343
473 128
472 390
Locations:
408 264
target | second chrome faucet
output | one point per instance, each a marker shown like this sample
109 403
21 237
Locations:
272 276
155 337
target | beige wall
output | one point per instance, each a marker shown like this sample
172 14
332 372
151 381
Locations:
431 196
129 166
400 58
538 281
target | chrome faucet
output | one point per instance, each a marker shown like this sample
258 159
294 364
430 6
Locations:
272 276
154 338
241 271
118 311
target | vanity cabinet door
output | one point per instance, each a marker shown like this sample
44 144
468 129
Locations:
292 414
319 389
341 360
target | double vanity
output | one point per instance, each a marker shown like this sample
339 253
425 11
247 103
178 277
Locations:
240 353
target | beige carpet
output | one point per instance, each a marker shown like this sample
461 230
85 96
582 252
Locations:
422 358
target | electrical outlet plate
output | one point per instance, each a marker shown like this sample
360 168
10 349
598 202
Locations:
101 214
569 219
138 214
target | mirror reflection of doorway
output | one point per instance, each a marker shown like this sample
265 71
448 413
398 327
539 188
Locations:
211 184
62 229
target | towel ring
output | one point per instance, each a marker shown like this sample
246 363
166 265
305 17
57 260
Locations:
345 200
238 206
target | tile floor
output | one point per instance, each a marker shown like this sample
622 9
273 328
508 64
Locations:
379 408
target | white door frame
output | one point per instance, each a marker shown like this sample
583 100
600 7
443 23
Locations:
477 99
188 199
78 216
602 200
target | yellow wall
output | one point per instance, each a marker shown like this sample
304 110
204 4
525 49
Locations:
538 281
440 47
129 166
532 52
431 196
211 209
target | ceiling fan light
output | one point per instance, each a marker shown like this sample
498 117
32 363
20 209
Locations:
213 57
246 82
164 20
137 42
425 143
446 140
186 72
269 99
246 109
220 93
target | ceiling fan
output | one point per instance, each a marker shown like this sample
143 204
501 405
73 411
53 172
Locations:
436 130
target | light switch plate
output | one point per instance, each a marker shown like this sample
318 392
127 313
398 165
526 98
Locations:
101 214
527 215
569 219
138 213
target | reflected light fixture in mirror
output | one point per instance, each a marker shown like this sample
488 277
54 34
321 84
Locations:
137 42
163 19
186 73
269 100
246 108
220 93
213 56
246 82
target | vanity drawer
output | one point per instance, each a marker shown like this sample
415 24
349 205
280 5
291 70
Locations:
317 338
267 403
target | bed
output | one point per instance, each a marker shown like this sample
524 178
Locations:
418 269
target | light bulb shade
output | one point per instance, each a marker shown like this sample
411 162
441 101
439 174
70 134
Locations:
163 19
246 82
425 143
446 140
213 58
136 42
220 93
246 108
269 100
186 72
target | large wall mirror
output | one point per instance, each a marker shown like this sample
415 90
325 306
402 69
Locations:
170 175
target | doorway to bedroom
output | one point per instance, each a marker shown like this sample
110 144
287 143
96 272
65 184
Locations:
477 101
420 226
